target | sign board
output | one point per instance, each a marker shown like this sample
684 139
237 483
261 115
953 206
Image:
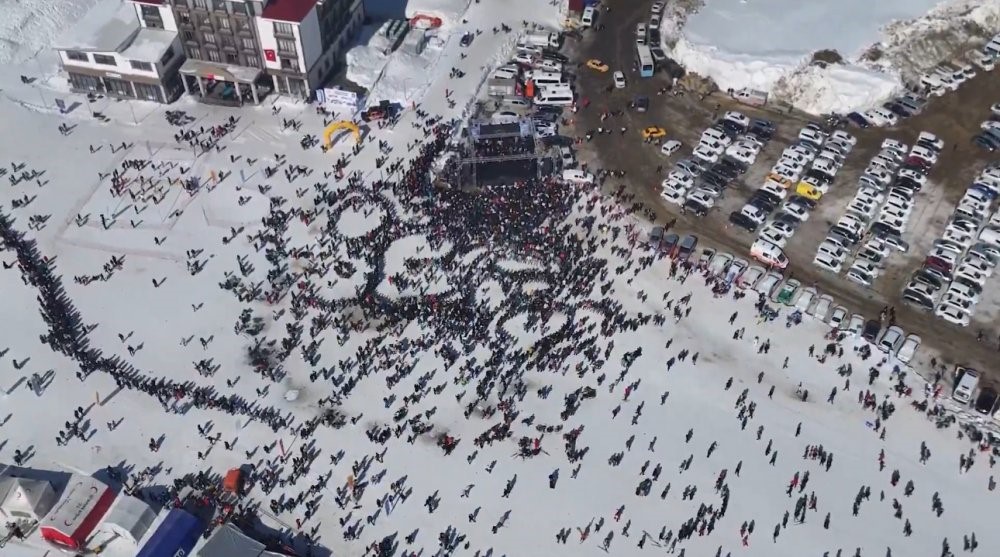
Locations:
338 99
114 75
270 55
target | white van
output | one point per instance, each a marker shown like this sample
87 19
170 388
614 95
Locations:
587 19
540 76
966 385
550 82
554 98
558 88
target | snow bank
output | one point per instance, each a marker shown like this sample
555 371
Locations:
914 46
768 45
836 88
28 26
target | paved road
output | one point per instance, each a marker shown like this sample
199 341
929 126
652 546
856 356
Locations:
954 117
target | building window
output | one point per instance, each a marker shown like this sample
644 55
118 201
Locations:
232 58
285 45
281 28
213 55
208 38
140 65
184 18
192 52
253 61
290 64
77 55
249 43
188 36
240 8
105 60
150 11
223 23
167 56
200 4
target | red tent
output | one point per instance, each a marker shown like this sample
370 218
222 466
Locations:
80 509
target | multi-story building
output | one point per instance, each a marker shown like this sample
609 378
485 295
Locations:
240 50
110 53
304 41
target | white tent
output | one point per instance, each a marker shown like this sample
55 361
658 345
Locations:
23 498
129 518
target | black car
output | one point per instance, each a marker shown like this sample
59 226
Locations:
858 120
987 143
871 330
641 104
897 109
771 198
986 401
547 109
907 183
731 166
746 223
763 129
466 39
658 55
761 201
555 55
686 247
918 300
802 201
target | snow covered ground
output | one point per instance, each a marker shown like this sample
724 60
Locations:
454 283
769 44
30 26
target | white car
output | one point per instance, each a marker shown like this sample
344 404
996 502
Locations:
856 324
656 8
675 193
701 197
619 78
772 237
908 349
577 176
828 263
670 147
838 317
841 135
953 314
863 272
705 154
797 211
924 153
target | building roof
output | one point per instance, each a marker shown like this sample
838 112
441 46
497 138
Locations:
149 45
292 11
33 497
107 27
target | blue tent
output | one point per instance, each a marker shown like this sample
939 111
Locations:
175 536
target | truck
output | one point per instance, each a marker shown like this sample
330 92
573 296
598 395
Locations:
751 97
551 40
499 87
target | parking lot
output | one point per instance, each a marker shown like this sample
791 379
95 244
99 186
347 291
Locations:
954 117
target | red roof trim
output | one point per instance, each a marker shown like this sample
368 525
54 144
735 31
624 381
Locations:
292 11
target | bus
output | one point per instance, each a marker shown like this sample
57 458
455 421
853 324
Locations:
645 58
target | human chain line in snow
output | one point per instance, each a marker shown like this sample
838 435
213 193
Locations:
69 336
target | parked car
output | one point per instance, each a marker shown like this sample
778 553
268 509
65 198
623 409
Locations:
908 349
686 247
871 330
967 379
891 339
986 401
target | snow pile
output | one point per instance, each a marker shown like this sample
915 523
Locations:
735 44
836 88
912 47
28 26
364 64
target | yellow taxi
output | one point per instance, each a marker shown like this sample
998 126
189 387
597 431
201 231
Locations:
653 132
779 179
809 191
596 64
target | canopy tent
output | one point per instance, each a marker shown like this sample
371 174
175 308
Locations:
23 498
176 535
129 519
229 541
81 507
